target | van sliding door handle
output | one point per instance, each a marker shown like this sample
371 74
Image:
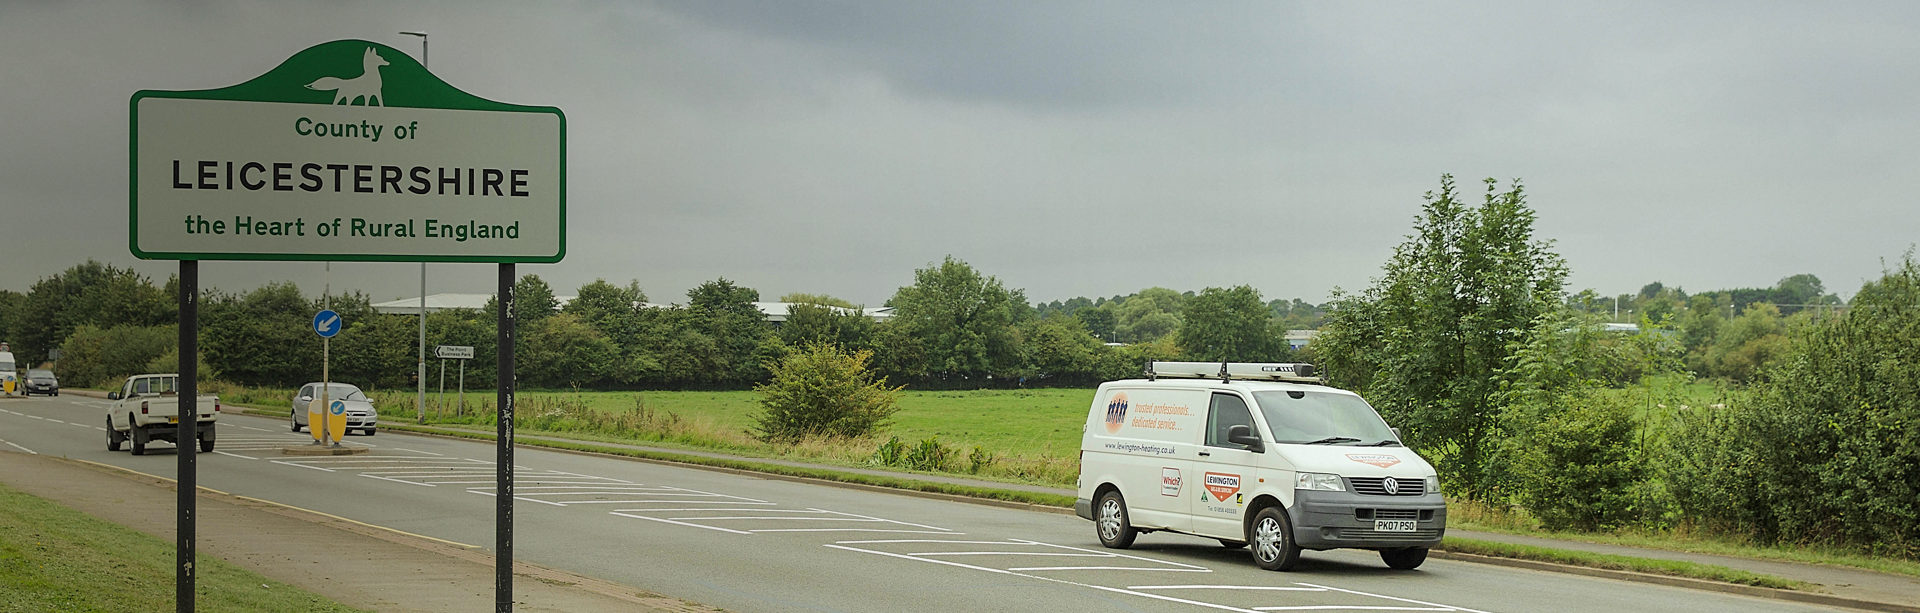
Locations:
1205 454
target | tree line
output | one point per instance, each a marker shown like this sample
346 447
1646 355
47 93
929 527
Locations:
953 327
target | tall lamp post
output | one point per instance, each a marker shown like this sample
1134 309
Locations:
420 373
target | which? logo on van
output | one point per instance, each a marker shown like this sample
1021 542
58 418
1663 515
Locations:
1116 412
1221 485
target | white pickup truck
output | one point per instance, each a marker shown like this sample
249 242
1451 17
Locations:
147 408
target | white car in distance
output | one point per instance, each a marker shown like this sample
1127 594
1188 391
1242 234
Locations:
360 412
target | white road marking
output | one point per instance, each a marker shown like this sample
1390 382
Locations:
302 465
1157 570
1408 600
77 425
1340 607
1050 579
1276 588
236 455
1012 553
417 451
680 523
16 446
253 428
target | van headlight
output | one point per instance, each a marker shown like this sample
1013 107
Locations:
1433 484
1319 481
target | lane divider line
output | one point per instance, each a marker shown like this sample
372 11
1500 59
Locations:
283 505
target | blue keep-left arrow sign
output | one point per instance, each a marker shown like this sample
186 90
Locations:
326 323
338 407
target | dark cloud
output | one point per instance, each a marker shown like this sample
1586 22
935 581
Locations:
1069 148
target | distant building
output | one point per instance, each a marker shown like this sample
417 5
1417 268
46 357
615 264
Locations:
774 312
1300 338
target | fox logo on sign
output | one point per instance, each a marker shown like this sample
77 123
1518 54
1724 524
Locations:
1221 485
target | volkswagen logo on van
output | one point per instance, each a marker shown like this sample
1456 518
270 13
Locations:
1392 486
1116 412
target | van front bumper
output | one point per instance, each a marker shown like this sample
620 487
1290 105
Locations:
1332 520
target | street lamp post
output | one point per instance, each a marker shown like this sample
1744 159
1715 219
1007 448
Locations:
420 373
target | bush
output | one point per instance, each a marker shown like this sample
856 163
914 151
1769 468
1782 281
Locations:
1576 467
1824 451
821 391
930 455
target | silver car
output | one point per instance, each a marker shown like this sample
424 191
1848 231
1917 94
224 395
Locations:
360 413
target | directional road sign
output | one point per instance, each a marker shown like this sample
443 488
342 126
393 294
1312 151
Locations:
327 323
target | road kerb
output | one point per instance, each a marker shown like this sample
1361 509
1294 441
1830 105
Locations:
1681 582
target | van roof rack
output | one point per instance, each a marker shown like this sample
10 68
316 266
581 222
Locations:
1228 371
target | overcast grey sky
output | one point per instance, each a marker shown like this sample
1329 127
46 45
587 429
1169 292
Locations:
1068 148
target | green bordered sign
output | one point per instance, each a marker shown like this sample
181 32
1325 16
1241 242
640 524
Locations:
349 150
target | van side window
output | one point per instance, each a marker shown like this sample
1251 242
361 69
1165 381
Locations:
1227 411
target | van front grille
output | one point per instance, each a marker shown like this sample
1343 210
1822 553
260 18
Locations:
1376 486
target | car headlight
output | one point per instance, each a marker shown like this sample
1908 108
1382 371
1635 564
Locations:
1433 484
1319 481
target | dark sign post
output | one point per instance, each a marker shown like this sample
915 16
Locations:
185 439
347 151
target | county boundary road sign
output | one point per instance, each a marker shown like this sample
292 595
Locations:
348 150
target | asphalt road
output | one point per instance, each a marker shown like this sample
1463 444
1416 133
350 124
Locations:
751 544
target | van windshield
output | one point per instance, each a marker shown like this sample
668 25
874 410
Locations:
1318 417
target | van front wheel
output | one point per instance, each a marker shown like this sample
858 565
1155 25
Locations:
1404 559
1111 522
1272 538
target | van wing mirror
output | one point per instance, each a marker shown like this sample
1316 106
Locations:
1397 435
1242 435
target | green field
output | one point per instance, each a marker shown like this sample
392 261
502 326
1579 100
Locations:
53 558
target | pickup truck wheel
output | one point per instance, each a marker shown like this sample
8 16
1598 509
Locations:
114 437
139 435
206 442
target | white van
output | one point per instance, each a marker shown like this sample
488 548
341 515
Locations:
1254 453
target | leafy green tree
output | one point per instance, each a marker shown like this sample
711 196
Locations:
964 321
1099 322
94 356
817 299
1149 315
89 293
1425 341
1060 348
601 304
821 391
726 313
375 351
1227 325
1748 343
563 351
262 337
808 323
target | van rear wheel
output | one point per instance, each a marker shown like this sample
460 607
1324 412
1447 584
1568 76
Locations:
1110 521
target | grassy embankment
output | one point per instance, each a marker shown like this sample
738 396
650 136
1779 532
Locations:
53 558
1033 436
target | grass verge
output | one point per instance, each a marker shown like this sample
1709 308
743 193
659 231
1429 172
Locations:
54 558
1674 568
1681 543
